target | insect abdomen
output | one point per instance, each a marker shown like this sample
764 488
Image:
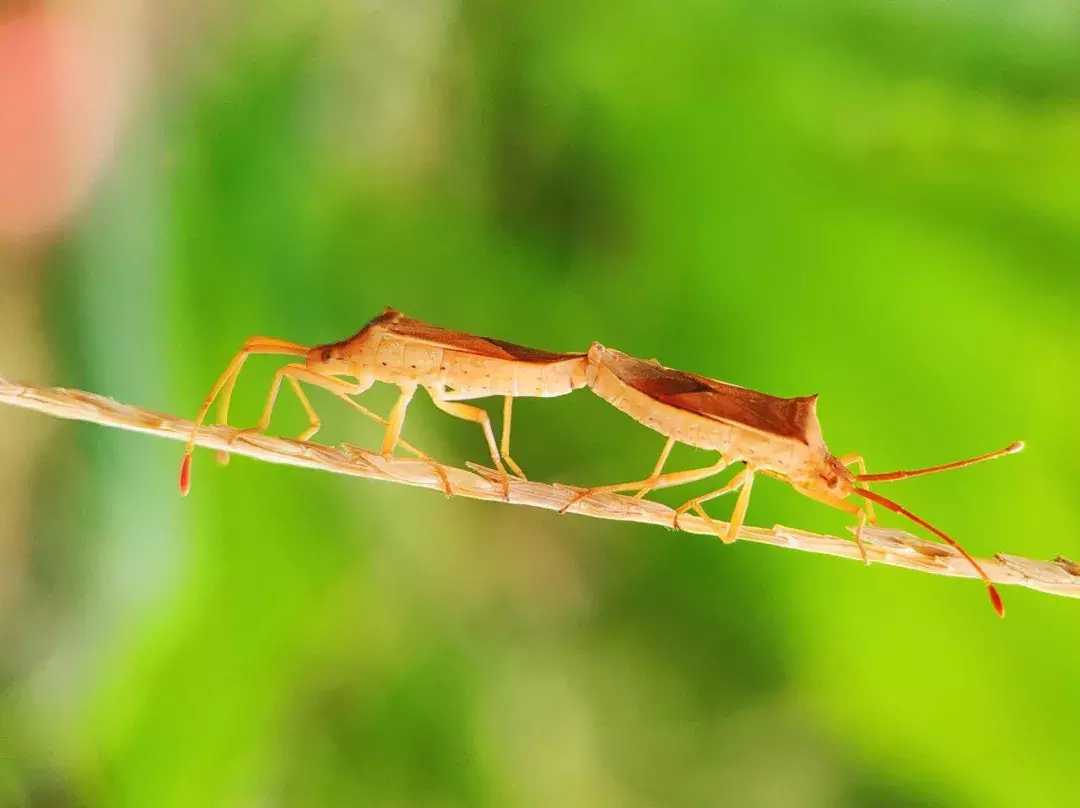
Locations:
549 379
471 376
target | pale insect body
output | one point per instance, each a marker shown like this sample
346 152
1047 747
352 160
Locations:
778 437
402 351
618 379
452 366
392 348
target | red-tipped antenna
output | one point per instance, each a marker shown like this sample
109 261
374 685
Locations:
254 345
995 598
185 474
888 476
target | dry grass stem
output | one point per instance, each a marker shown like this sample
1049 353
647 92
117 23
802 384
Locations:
892 547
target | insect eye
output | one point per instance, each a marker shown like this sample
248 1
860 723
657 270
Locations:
326 354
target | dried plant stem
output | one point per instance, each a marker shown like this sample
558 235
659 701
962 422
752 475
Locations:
892 547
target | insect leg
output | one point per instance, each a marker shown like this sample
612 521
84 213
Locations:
738 516
253 345
287 372
344 390
271 399
504 444
650 481
470 413
744 480
313 417
396 420
225 399
866 512
654 481
859 462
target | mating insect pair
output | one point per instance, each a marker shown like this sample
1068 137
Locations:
777 437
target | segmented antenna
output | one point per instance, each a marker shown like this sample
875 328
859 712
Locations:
254 345
995 598
889 476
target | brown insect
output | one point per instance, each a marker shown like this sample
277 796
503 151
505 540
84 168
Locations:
778 437
408 353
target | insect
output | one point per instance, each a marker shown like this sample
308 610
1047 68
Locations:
778 437
408 353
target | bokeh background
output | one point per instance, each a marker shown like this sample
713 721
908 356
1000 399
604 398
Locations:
874 201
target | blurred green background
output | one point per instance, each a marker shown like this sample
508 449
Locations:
874 201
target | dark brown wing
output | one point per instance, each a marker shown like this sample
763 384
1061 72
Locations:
794 418
469 343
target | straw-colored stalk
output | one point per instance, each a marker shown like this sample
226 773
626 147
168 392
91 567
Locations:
883 546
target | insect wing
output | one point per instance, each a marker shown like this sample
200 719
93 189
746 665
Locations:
472 344
793 418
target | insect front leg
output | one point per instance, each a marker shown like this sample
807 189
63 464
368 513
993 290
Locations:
344 391
271 400
314 423
859 463
744 480
293 372
225 399
296 372
479 416
866 512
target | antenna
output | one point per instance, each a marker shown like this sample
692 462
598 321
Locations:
889 476
995 598
254 345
